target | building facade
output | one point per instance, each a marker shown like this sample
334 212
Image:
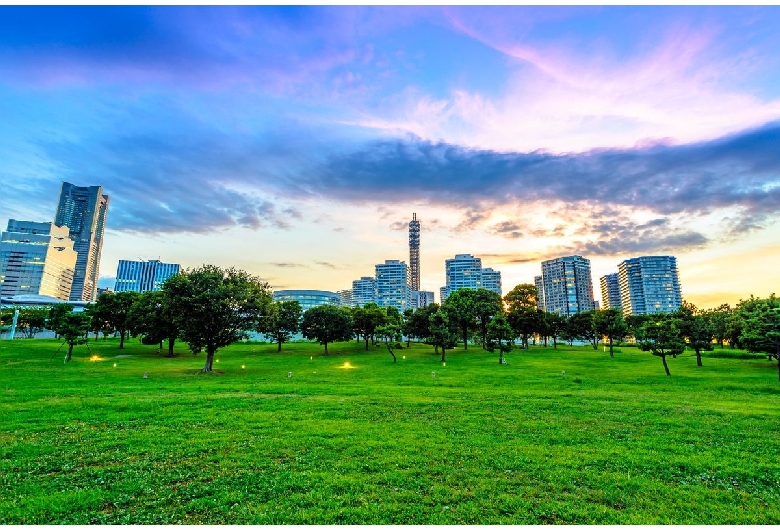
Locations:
649 284
143 276
421 299
392 284
308 298
462 271
610 291
345 297
363 291
414 253
36 259
83 210
539 292
567 285
491 280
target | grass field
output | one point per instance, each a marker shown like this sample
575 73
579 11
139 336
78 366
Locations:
613 441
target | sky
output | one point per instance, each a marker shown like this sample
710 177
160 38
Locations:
296 142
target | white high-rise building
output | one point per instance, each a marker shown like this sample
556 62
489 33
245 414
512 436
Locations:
465 271
491 280
539 292
364 291
567 285
392 284
610 291
421 299
36 259
649 284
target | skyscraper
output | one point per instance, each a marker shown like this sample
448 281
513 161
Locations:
364 291
649 284
414 252
465 271
36 259
539 292
567 285
610 291
392 284
83 210
143 276
491 280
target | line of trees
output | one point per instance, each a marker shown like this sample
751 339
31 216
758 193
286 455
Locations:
210 307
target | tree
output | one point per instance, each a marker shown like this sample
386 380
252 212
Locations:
152 316
366 319
57 313
442 333
32 321
582 328
635 324
609 323
215 307
73 329
556 325
761 326
661 336
696 328
326 324
282 321
460 304
523 297
114 309
719 318
499 336
486 304
391 333
524 323
418 325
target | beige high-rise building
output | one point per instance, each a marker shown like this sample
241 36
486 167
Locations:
36 259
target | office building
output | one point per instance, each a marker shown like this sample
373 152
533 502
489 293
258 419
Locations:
36 259
610 291
539 292
364 291
308 298
567 285
83 210
345 297
649 284
392 284
143 276
414 253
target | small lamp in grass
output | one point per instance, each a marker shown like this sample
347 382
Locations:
433 374
289 375
243 366
114 365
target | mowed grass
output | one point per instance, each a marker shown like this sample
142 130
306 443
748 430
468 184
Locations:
613 441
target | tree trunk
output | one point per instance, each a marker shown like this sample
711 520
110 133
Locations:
500 354
465 338
366 342
436 349
209 367
555 342
698 357
408 342
442 354
326 348
663 358
171 340
545 341
69 354
121 340
611 354
391 353
279 348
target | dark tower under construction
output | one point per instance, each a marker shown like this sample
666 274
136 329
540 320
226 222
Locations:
414 252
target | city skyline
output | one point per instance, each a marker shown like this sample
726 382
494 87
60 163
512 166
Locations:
297 142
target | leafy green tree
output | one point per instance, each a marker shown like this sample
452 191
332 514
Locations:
761 326
326 324
153 317
582 327
486 305
366 319
734 323
391 334
99 319
696 328
32 321
114 308
442 333
661 336
215 307
635 325
418 324
556 325
719 318
73 329
282 321
522 297
499 336
609 323
524 323
57 313
460 306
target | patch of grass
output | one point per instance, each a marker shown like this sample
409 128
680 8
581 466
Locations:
614 441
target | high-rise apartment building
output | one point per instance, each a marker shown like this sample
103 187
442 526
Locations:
364 291
649 284
465 271
491 280
610 291
143 276
345 297
567 285
83 210
36 259
414 253
392 284
442 294
539 292
421 299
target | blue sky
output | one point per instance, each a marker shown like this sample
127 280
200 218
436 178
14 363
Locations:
296 142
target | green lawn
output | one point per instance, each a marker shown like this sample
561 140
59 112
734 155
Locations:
613 441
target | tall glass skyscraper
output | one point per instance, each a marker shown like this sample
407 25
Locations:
143 276
392 284
83 210
610 292
649 284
